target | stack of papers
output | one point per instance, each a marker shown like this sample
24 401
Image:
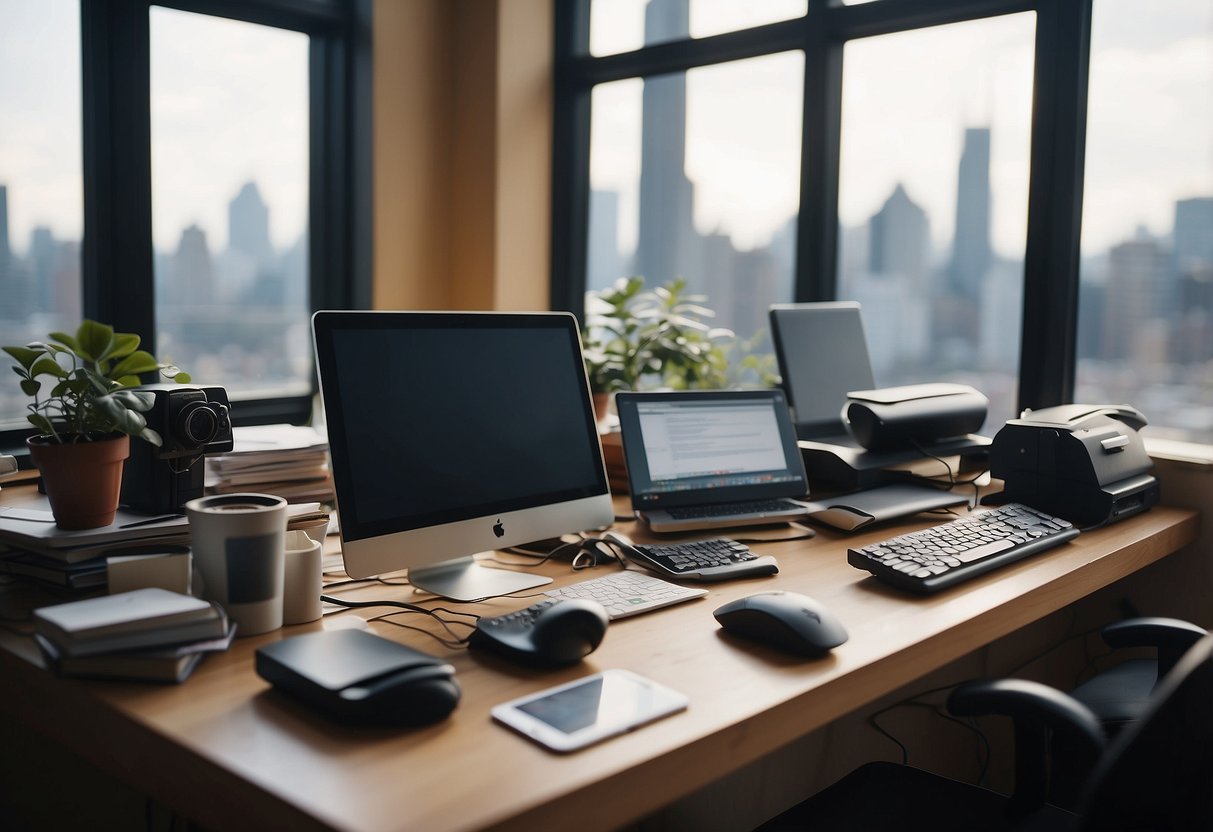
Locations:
32 545
290 461
145 634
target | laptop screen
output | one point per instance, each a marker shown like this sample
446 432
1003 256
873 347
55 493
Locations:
696 448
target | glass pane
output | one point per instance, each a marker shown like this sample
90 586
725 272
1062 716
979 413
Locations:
41 196
697 175
230 202
933 201
626 25
1146 303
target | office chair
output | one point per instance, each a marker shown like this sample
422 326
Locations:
1156 775
1118 696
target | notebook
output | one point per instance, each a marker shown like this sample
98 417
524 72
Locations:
711 459
822 355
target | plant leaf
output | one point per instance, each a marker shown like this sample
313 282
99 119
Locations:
124 344
30 387
25 356
94 340
48 367
66 340
137 362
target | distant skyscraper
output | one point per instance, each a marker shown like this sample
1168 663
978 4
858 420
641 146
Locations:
1136 296
603 263
667 240
249 226
1193 234
899 239
192 274
971 253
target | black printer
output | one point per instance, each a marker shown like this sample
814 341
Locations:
1083 462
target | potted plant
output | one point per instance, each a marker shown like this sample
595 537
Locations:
632 336
85 412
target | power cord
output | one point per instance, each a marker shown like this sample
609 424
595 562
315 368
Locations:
455 639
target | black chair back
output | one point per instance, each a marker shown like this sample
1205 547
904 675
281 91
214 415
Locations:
1158 774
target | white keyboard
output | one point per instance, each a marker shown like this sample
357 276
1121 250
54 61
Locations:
628 593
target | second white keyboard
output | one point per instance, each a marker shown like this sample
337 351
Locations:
628 593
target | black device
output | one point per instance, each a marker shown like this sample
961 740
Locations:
192 421
550 633
358 677
942 556
1086 463
787 620
823 357
917 414
714 559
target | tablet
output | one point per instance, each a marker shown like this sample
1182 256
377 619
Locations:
585 711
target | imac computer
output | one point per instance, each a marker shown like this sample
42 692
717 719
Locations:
454 433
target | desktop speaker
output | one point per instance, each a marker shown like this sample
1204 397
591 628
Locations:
900 417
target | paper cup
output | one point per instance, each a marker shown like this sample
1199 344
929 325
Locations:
238 542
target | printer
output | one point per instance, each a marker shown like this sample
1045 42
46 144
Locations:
1085 463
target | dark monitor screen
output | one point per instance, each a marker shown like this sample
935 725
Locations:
439 418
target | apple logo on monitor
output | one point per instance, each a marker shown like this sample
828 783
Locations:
498 529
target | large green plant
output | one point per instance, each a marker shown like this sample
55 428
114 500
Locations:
89 376
633 335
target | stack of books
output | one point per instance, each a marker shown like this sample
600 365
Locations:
32 545
145 634
290 461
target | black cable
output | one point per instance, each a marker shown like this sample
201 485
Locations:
414 608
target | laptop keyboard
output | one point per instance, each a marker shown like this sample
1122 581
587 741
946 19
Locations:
628 593
731 509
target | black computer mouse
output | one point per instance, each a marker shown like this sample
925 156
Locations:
787 620
551 633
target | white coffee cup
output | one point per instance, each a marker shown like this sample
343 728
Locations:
238 542
302 579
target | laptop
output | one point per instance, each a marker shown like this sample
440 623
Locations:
822 355
711 459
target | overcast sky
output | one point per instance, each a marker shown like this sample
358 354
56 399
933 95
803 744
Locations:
230 105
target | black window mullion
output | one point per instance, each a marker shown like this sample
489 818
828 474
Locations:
1051 261
570 158
116 254
817 222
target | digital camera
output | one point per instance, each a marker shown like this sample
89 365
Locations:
192 421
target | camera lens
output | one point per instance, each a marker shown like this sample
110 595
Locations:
197 423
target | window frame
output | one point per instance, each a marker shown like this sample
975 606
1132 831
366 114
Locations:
1048 342
117 275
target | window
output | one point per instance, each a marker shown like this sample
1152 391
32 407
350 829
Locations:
229 202
933 215
41 199
204 170
695 175
1146 304
942 155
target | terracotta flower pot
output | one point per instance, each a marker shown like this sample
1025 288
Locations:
82 479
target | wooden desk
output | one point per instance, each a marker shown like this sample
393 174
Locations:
228 752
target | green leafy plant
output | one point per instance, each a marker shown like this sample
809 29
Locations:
633 335
89 376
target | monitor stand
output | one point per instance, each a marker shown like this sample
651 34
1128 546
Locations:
463 579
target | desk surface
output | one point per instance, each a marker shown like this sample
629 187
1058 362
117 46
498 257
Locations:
226 750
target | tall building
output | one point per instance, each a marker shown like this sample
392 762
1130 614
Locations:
1136 298
1193 234
667 240
899 239
971 252
249 226
191 281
